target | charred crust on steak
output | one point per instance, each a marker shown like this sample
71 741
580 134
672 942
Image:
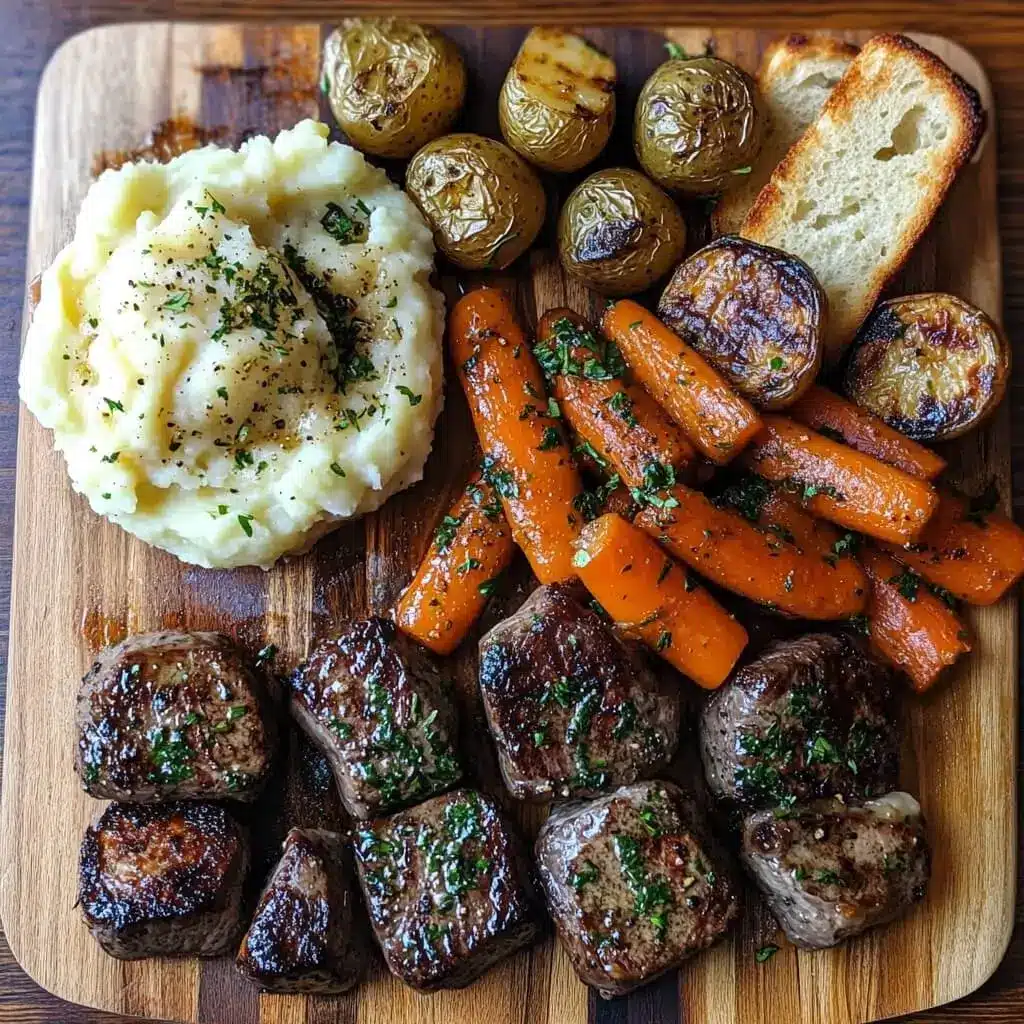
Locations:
174 716
448 888
163 879
307 934
573 709
378 707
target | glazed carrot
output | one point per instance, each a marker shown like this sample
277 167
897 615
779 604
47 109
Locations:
908 624
471 546
530 463
616 417
759 564
829 414
716 419
970 549
651 596
840 484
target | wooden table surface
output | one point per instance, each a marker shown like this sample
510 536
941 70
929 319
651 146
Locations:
30 30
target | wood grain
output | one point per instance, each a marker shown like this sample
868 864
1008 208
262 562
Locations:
953 942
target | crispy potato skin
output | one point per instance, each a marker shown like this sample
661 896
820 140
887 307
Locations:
698 121
392 85
619 233
556 107
484 202
932 366
756 314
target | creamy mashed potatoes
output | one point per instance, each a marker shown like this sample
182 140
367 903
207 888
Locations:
239 349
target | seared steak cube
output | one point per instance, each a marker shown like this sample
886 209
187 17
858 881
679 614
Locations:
376 704
163 880
448 888
830 870
573 710
634 884
173 716
305 935
811 717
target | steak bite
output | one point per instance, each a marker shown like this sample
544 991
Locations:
163 880
448 888
375 703
573 709
811 717
305 935
634 884
169 715
829 871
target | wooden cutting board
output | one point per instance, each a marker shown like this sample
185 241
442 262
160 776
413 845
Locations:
80 582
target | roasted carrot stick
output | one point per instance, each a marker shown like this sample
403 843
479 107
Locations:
471 546
829 414
531 466
652 597
841 484
716 419
969 548
616 417
912 628
759 564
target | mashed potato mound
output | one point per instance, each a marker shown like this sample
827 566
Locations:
240 349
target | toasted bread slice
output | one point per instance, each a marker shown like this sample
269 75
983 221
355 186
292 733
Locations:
862 183
795 77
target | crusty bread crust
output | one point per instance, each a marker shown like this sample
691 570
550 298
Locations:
778 68
867 79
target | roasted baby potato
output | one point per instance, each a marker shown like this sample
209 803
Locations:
755 313
485 204
393 85
932 366
699 121
557 104
619 233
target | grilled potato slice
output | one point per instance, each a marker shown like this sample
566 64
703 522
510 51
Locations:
393 85
931 365
557 104
755 313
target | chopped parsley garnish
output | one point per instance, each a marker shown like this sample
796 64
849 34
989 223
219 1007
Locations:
245 522
652 897
265 655
828 877
747 496
907 583
664 640
979 507
776 362
658 476
178 302
222 393
445 533
622 404
113 406
576 352
468 566
765 953
337 470
414 400
342 227
550 439
487 587
587 873
170 756
675 51
500 479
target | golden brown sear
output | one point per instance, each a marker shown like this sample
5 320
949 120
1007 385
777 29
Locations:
755 313
932 366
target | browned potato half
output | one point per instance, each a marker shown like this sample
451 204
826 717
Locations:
755 313
619 233
392 85
932 366
484 202
557 104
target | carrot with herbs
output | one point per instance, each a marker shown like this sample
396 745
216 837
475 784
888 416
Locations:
471 547
652 597
968 547
715 418
912 628
527 458
840 484
836 417
760 564
614 417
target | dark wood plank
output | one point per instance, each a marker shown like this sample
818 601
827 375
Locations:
29 31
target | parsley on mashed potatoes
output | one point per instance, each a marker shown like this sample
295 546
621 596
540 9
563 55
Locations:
240 349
